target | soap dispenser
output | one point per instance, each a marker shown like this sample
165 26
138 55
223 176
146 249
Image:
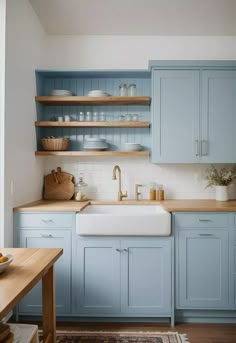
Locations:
80 189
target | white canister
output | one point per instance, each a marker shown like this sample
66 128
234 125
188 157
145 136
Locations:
60 119
221 193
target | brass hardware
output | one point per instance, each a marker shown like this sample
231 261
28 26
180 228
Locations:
120 194
137 193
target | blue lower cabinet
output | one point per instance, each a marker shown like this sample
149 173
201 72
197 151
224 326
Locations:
97 276
123 276
34 238
202 268
146 276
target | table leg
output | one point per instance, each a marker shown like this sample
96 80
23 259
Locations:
49 307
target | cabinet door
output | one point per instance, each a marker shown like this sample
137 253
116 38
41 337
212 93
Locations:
32 302
97 276
175 116
202 268
218 116
146 276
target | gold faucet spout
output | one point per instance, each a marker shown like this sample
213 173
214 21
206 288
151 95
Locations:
116 169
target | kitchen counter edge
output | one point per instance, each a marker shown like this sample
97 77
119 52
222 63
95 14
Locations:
183 205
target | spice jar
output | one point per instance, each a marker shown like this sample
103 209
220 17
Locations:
152 191
81 116
80 190
160 193
123 89
132 89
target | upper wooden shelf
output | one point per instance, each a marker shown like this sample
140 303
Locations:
92 124
87 100
92 153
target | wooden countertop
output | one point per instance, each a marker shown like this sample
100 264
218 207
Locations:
186 205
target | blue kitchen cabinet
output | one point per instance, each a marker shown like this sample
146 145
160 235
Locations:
175 116
202 261
193 112
146 276
123 277
45 230
97 276
218 119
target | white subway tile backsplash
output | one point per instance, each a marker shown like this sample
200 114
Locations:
180 181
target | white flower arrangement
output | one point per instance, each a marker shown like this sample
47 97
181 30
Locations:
220 177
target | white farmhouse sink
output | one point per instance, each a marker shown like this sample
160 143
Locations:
124 220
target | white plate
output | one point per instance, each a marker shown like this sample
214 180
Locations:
4 265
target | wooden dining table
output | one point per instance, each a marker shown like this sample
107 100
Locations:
28 267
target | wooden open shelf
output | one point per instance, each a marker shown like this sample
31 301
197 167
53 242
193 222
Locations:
87 100
92 124
92 153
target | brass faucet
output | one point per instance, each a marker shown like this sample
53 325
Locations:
120 194
137 193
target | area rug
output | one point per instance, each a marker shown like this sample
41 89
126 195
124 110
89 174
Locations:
118 337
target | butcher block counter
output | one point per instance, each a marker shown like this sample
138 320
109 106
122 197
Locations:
169 205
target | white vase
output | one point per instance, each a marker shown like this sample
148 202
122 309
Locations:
222 193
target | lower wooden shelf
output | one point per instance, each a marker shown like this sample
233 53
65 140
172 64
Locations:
92 153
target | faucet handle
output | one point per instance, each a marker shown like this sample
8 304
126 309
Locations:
124 195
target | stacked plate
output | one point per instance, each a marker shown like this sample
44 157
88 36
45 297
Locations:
95 144
98 93
60 92
133 147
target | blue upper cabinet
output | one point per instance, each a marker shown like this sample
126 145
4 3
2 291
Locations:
175 116
193 112
218 116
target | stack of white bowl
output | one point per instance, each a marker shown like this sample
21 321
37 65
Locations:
95 144
98 93
60 92
133 147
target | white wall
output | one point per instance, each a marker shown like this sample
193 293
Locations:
25 40
132 52
2 112
122 52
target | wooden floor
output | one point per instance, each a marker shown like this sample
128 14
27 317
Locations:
196 333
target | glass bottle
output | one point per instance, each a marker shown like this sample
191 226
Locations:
80 189
152 191
132 89
160 193
89 116
123 89
81 116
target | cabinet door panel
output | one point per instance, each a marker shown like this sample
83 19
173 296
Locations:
202 268
146 276
97 275
32 302
175 116
219 116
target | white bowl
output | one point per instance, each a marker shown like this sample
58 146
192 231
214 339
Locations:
133 147
4 265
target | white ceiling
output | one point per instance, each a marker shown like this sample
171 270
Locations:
137 17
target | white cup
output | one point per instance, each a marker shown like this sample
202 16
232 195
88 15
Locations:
67 118
60 119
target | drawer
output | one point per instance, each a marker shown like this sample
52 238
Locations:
201 220
44 220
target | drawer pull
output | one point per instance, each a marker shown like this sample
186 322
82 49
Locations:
118 250
46 221
206 234
126 250
205 220
46 236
